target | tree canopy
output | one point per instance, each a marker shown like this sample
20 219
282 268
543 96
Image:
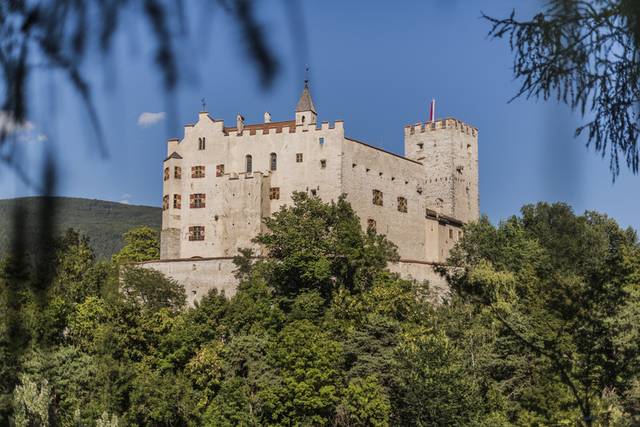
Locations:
541 328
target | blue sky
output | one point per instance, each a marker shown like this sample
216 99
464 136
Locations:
375 65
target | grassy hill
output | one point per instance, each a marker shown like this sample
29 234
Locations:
103 222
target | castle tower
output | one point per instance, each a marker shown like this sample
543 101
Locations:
305 110
448 149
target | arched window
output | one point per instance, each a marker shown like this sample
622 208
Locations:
273 161
248 163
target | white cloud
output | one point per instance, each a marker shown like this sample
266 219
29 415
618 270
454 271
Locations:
147 119
125 199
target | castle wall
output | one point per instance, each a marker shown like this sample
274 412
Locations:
366 168
199 276
234 205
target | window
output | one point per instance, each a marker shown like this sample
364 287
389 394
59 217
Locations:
274 193
197 172
177 201
273 161
196 232
197 200
177 172
371 225
402 204
165 202
314 192
248 163
166 174
321 140
450 233
459 234
377 198
323 164
298 157
219 170
201 143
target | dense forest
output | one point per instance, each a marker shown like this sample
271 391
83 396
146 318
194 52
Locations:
102 221
540 328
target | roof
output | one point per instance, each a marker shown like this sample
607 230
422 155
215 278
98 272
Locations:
264 126
305 103
380 149
430 213
173 155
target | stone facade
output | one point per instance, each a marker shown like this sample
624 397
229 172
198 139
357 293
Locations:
220 182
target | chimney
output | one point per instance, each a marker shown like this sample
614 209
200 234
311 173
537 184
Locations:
240 123
267 117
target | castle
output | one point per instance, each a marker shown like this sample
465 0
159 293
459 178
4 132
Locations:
220 182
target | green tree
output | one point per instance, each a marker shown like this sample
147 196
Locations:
314 245
141 244
565 289
152 289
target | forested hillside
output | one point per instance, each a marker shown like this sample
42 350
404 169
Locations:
103 222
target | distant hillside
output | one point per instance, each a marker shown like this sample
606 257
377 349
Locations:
104 222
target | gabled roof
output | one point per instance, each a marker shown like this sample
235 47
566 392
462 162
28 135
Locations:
305 103
174 155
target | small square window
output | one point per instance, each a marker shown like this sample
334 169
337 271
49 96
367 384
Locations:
314 192
166 174
402 204
165 202
177 201
323 164
377 198
274 193
371 225
321 140
298 157
177 172
450 233
197 172
219 170
196 233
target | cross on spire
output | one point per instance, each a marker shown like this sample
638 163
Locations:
204 104
306 74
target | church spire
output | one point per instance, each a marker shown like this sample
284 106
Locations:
305 110
305 103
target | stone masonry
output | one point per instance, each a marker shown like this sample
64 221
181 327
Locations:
220 182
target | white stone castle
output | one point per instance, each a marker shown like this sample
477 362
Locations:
220 182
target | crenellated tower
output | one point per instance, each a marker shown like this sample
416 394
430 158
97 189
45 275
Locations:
448 149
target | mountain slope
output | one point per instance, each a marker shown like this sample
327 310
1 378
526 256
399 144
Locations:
103 222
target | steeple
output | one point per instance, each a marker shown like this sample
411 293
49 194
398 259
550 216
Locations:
305 110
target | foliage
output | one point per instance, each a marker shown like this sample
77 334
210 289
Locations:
541 325
141 244
585 54
564 289
31 403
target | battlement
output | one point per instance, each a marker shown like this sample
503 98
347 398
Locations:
446 123
281 127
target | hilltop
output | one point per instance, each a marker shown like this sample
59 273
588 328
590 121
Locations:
102 221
